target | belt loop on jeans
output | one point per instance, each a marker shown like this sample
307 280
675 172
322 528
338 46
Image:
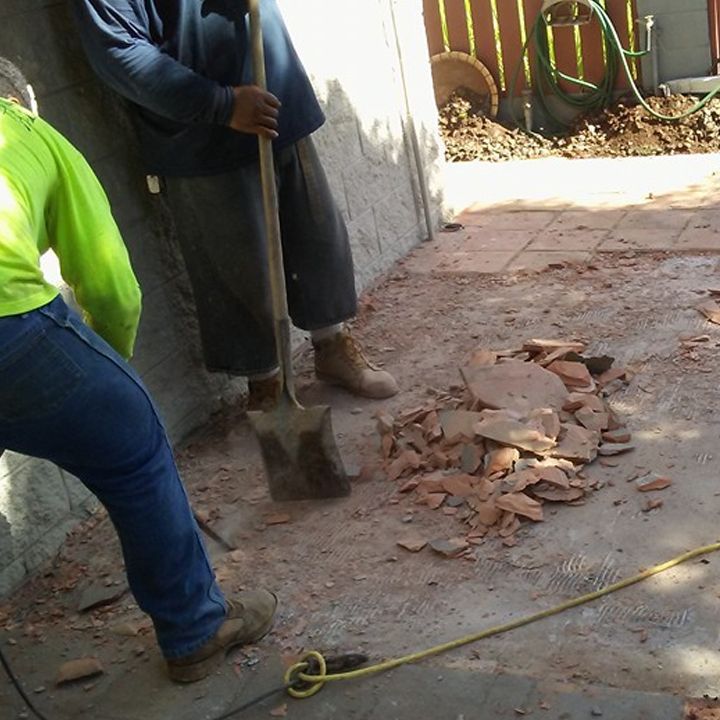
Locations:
155 184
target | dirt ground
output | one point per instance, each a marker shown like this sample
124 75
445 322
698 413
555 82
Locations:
623 130
343 581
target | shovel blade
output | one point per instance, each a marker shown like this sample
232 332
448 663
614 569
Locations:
301 456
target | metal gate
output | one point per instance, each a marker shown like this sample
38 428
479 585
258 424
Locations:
495 32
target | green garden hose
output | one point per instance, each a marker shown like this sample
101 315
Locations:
592 97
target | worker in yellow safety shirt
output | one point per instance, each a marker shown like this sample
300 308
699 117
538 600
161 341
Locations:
67 393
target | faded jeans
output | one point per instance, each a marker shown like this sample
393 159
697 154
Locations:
68 397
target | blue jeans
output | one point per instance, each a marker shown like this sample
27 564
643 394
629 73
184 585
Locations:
68 397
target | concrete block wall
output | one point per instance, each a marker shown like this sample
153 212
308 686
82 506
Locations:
350 50
683 38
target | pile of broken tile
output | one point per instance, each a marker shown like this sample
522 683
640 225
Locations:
515 437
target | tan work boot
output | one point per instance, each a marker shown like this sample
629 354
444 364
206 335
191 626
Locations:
249 618
264 394
339 360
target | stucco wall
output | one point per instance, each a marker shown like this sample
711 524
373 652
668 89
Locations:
350 49
683 38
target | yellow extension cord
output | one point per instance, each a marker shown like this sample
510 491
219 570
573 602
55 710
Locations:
296 672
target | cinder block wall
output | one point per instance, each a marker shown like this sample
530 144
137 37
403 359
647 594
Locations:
350 50
683 38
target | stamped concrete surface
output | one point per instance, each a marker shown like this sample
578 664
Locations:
343 581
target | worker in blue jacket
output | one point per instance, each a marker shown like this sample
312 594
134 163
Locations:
185 67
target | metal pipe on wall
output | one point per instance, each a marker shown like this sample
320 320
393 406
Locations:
412 132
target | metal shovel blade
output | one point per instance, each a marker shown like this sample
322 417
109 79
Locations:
299 450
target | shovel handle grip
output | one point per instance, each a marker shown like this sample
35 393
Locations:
276 267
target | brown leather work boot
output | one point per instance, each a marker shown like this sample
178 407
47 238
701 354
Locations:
264 394
339 360
249 618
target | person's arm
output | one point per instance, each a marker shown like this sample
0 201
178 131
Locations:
93 259
121 50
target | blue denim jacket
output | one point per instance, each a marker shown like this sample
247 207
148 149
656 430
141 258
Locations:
176 63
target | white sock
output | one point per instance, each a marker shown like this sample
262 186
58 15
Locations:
327 332
263 376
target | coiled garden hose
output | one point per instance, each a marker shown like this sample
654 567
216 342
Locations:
592 96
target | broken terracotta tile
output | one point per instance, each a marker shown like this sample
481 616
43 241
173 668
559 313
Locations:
414 437
439 459
431 427
515 433
79 670
577 443
471 458
509 525
450 511
482 358
711 310
487 512
501 460
545 359
409 486
519 480
515 386
577 400
652 505
385 422
412 543
611 449
413 415
459 485
97 595
457 425
611 375
549 420
388 444
434 500
520 504
537 346
433 483
277 519
406 461
592 420
553 475
651 482
614 422
132 629
557 494
449 548
574 374
484 489
621 437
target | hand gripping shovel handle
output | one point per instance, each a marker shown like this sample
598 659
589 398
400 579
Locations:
281 316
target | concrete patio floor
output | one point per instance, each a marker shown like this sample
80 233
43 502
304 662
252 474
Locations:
617 253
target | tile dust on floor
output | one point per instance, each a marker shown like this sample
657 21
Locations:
344 581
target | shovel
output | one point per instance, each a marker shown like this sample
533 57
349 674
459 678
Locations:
298 445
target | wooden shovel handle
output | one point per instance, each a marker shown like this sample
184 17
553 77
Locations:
272 217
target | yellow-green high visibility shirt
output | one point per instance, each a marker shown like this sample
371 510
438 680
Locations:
50 198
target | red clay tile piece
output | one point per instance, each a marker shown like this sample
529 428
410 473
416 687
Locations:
514 385
520 504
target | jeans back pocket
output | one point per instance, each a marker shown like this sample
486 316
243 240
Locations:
36 378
